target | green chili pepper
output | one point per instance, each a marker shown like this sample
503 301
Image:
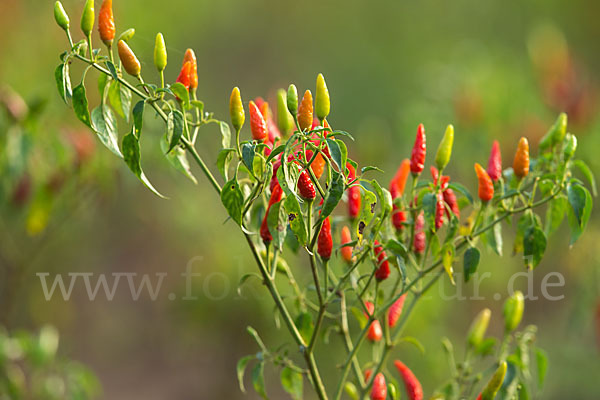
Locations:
284 119
556 134
444 150
570 146
322 102
160 53
87 18
127 35
60 15
292 100
495 382
513 311
478 327
236 109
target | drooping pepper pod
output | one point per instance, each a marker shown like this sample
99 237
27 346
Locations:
190 57
305 186
318 165
395 311
127 35
87 18
513 311
185 74
258 125
450 199
284 120
130 62
346 250
325 241
521 161
106 23
383 265
556 133
305 111
494 168
236 109
160 53
444 151
379 389
417 159
375 332
419 240
486 186
322 101
495 382
478 328
61 17
292 100
354 199
414 390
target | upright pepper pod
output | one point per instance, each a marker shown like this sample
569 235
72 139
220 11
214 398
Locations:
444 151
106 23
87 18
346 250
379 389
570 146
375 332
513 311
265 234
292 100
324 241
236 109
61 17
521 161
395 311
383 265
414 390
284 119
402 175
322 101
495 382
190 57
185 74
127 35
258 126
130 62
440 210
556 133
419 240
160 53
417 159
486 186
478 328
305 111
494 168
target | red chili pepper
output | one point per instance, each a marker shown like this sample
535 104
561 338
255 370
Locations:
450 199
325 242
398 218
401 176
375 333
383 266
276 195
440 210
379 389
106 23
354 199
318 165
274 180
486 186
395 311
258 126
435 174
414 390
494 168
368 373
306 187
184 74
417 159
272 128
346 250
419 241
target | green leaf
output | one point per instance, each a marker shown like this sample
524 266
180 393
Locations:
333 196
304 323
294 216
457 187
120 99
241 368
367 212
105 125
225 134
397 248
429 203
447 260
534 246
555 214
258 379
277 223
344 151
587 172
542 365
335 152
131 155
361 318
278 150
384 196
80 105
368 168
486 347
493 237
63 82
178 159
580 200
181 93
233 200
292 382
138 118
223 160
248 152
470 262
113 70
175 128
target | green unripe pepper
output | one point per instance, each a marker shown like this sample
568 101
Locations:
236 109
60 15
127 35
292 100
284 119
160 53
444 151
556 133
570 146
87 18
494 384
478 327
322 101
513 311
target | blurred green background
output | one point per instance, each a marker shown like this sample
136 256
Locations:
493 69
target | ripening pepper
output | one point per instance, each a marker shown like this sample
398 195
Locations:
284 119
383 265
368 373
444 151
292 100
87 18
570 146
450 199
305 111
379 389
106 23
354 199
258 125
401 176
486 186
521 161
190 57
346 250
419 240
160 53
265 234
325 242
513 311
322 102
185 74
491 388
395 311
306 187
417 159
414 390
440 210
236 109
274 181
318 164
494 168
435 175
127 35
60 15
129 60
478 327
375 332
556 133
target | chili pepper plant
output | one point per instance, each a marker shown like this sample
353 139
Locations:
372 250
